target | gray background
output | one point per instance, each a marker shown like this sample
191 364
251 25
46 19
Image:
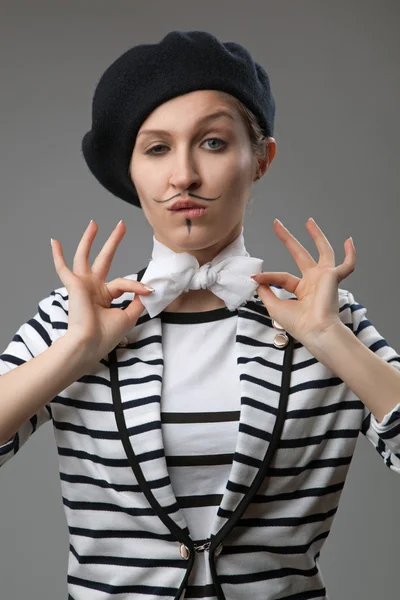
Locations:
334 69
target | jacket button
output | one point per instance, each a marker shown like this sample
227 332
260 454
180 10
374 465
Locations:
218 550
184 551
277 325
124 342
281 340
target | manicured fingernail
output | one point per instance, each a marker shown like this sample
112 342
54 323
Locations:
51 242
149 288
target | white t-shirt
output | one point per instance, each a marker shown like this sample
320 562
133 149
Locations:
200 408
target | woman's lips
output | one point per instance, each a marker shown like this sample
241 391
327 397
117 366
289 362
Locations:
191 212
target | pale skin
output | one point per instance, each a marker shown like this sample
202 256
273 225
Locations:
90 318
317 307
375 382
179 163
224 179
314 319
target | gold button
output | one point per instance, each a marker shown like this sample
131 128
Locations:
218 550
281 340
124 342
184 551
277 325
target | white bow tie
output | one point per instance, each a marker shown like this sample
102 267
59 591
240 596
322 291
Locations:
227 276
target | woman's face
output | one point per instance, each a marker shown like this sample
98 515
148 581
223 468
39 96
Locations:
207 160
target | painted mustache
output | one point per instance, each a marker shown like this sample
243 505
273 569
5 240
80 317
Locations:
187 197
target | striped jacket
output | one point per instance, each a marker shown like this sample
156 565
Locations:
297 432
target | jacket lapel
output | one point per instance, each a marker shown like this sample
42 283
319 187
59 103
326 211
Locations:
137 406
264 370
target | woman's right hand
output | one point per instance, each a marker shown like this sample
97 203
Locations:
90 318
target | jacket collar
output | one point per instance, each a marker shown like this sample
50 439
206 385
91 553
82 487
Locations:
264 363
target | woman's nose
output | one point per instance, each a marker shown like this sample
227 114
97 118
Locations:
184 172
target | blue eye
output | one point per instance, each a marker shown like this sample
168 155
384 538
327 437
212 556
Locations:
218 140
151 150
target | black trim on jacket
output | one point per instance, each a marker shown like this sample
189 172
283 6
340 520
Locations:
180 534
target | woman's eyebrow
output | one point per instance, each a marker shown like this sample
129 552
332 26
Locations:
211 117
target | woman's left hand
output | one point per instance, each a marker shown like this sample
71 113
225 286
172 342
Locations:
317 305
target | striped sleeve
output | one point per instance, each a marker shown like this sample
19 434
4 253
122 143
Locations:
31 339
384 435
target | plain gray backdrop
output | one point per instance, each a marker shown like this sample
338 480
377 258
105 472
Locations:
334 70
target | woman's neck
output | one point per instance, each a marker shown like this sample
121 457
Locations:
195 301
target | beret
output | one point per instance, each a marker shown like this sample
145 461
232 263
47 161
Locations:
147 75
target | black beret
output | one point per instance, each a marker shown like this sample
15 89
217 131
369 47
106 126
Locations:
147 75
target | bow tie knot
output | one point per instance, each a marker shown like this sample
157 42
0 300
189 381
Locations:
227 276
204 277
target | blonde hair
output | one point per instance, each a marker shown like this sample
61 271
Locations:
256 135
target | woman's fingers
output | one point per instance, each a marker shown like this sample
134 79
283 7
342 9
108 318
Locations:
62 269
81 266
326 252
134 309
118 286
103 261
285 280
81 259
301 256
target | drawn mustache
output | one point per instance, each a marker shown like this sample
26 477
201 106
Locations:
189 196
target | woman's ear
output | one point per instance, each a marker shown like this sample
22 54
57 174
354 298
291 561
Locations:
271 149
264 163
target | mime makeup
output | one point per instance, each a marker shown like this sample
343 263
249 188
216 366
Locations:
188 221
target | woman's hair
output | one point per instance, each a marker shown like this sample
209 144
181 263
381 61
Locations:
257 138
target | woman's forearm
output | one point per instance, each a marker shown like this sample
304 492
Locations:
28 387
374 381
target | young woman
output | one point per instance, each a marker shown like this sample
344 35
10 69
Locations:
205 429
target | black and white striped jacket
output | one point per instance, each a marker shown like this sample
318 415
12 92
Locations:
297 432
